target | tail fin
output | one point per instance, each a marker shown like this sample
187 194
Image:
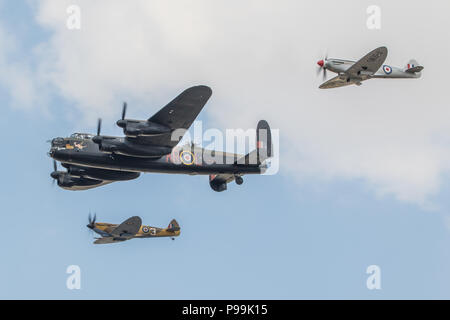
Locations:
263 149
263 141
413 67
173 226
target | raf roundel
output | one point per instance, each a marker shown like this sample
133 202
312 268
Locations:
187 158
387 69
145 229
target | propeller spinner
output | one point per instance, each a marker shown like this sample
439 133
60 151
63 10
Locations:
91 220
322 67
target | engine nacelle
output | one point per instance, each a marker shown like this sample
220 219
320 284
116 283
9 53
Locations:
75 171
217 184
101 174
67 181
134 128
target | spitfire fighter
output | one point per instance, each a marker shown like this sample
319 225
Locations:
151 146
371 66
131 228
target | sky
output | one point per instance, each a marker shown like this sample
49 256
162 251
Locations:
363 171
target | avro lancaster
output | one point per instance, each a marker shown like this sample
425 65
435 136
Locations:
151 146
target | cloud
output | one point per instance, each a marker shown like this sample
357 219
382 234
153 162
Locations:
259 57
17 76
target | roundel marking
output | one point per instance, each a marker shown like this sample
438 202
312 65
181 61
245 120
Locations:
387 69
187 158
145 229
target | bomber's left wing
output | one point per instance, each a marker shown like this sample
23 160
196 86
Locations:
335 82
369 64
128 228
177 114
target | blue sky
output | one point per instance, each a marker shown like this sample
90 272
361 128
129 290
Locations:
274 237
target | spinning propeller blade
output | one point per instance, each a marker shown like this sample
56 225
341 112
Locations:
322 67
55 173
124 110
99 126
91 220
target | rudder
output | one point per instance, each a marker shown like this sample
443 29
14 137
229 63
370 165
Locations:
263 141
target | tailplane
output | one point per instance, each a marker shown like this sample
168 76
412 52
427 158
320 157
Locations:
413 67
173 226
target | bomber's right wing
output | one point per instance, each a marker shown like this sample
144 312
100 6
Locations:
335 82
128 228
177 114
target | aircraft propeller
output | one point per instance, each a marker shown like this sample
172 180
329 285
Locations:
99 126
91 220
98 139
122 122
322 67
124 110
55 173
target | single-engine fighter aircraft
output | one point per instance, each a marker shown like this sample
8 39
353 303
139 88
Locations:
130 229
151 146
371 66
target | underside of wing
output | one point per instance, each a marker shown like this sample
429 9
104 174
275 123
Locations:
369 64
85 184
177 114
335 82
106 240
128 228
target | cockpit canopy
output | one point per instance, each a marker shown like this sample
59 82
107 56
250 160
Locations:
81 135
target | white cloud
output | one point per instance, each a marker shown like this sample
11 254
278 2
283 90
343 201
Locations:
16 75
259 57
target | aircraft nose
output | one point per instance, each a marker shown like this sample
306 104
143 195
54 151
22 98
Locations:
57 141
320 63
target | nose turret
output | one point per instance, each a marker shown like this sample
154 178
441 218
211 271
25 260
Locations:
57 142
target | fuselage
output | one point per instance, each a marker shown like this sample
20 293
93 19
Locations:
86 153
340 66
105 229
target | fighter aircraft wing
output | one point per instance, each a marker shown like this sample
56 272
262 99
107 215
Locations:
177 114
128 228
370 63
335 83
105 240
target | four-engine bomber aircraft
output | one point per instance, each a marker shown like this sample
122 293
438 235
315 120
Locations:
130 229
369 67
151 146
